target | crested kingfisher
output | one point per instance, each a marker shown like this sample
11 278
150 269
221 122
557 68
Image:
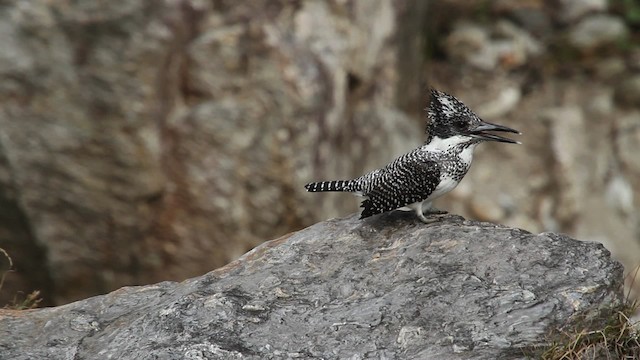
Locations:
413 180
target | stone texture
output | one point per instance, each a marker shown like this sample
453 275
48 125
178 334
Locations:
149 140
229 109
572 173
572 10
597 31
388 287
577 170
487 48
627 92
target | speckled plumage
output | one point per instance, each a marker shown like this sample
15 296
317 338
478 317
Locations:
418 177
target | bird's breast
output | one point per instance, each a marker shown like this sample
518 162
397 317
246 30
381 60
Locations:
466 155
446 184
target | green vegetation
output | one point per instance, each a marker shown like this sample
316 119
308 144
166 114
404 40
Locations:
4 268
30 301
629 9
619 338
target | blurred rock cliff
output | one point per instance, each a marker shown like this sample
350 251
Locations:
150 140
146 140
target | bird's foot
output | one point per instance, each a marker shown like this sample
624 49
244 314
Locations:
429 220
434 211
434 215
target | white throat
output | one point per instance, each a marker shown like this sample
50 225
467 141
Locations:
440 144
449 144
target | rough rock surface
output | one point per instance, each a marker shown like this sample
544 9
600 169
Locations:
145 140
388 287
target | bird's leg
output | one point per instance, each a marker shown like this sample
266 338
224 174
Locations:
428 221
418 209
429 209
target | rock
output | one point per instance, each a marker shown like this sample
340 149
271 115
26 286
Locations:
596 31
628 142
572 10
611 68
146 140
507 99
619 195
585 191
567 144
627 92
504 45
633 59
486 209
387 287
529 16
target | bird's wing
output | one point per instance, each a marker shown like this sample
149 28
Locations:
406 182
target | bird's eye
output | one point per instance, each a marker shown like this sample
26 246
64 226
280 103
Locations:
459 123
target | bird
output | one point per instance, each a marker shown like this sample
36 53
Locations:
414 180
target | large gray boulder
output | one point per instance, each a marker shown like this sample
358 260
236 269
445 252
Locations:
389 287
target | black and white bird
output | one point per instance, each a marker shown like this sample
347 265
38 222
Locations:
415 179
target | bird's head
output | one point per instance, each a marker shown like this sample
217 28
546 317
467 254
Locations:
451 121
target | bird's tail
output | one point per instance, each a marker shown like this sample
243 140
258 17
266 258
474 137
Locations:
336 185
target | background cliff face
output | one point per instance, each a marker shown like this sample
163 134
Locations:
152 140
567 74
156 140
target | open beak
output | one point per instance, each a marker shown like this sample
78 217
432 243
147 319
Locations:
481 131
